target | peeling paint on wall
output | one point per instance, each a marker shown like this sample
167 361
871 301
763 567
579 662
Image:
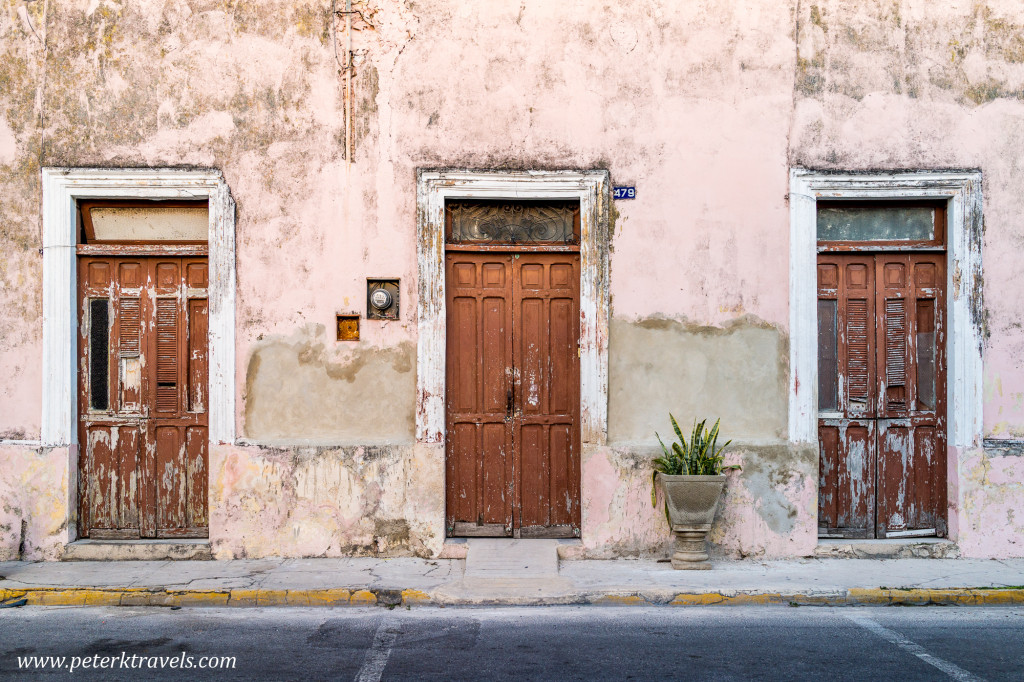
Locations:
991 492
323 501
35 516
769 508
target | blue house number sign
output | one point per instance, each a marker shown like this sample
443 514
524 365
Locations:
624 193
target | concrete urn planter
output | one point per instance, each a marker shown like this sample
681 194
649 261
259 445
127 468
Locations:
691 502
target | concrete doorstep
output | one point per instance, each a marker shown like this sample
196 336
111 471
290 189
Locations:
502 575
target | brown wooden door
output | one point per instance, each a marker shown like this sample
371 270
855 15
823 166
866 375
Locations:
143 368
881 394
513 394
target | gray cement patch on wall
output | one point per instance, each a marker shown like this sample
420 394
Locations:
295 393
657 366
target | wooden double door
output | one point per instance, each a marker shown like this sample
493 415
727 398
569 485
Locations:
143 378
512 394
881 394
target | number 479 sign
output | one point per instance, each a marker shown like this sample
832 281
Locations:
624 193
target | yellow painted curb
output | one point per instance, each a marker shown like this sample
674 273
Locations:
102 598
749 599
6 594
415 598
243 598
999 597
876 596
620 600
59 597
197 598
128 596
311 597
363 598
867 596
945 596
812 600
760 599
329 597
704 599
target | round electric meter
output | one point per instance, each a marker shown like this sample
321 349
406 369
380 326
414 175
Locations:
381 299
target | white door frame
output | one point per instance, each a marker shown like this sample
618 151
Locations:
591 188
965 314
62 188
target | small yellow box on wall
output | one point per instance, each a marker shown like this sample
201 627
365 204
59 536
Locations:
348 327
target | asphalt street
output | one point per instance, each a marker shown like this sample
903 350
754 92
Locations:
621 643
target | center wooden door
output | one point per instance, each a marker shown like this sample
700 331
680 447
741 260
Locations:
143 369
881 395
512 400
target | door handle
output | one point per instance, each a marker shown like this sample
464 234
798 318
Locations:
508 403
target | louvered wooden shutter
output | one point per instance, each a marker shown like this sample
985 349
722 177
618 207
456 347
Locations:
858 345
895 325
130 327
166 355
857 311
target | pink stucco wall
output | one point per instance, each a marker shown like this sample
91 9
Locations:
704 106
35 502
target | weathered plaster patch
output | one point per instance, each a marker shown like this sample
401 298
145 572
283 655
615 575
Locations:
991 497
769 475
737 372
1003 447
351 501
898 83
306 389
618 518
34 511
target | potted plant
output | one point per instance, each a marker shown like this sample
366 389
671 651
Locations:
690 475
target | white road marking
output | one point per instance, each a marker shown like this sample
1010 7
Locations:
893 637
379 652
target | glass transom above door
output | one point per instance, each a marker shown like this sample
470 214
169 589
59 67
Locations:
857 222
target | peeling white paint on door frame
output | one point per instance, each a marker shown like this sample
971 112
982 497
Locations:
62 187
962 190
591 188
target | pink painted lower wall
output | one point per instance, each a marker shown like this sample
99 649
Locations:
35 503
326 501
990 504
769 508
388 501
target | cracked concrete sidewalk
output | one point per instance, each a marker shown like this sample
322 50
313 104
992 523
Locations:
443 582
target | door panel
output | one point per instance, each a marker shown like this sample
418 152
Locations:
197 478
857 310
546 421
170 476
846 501
479 461
143 366
513 394
911 434
881 394
112 452
846 290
